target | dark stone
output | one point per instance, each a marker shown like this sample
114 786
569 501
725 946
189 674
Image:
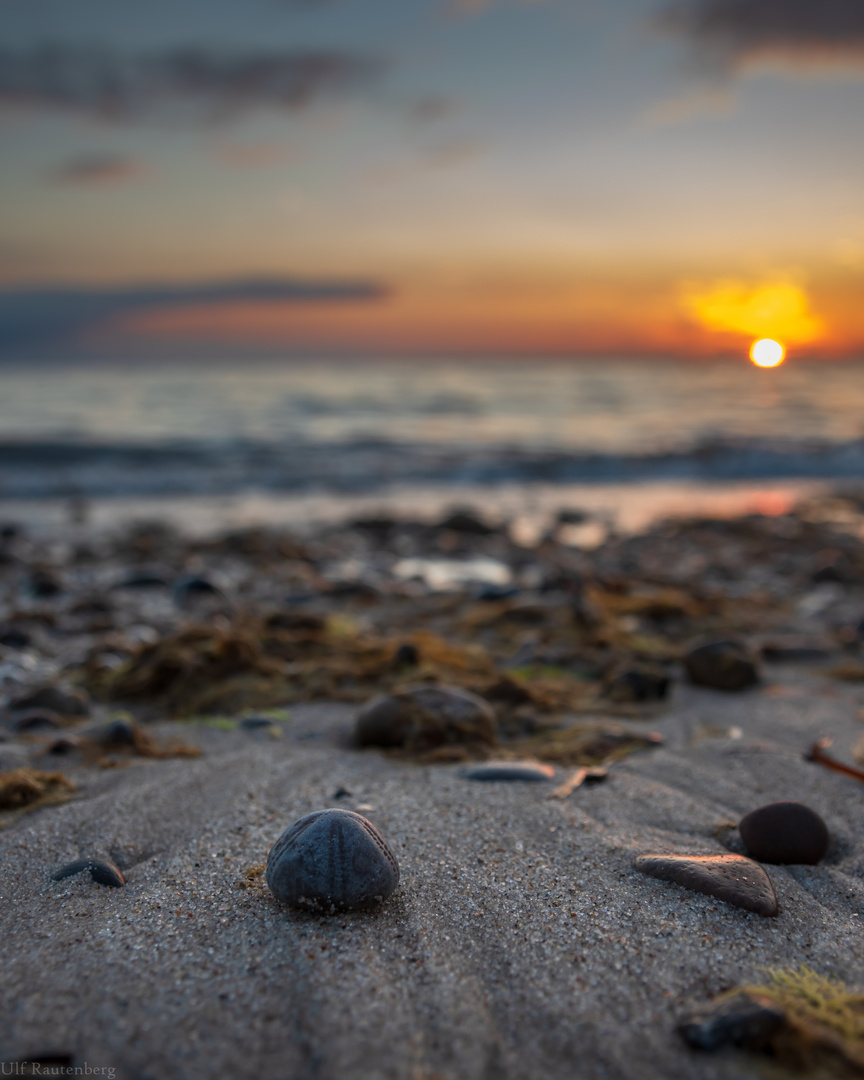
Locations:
341 793
52 700
638 684
746 1022
103 873
722 665
192 587
36 720
305 621
117 733
43 586
406 655
785 832
332 860
463 521
256 723
526 771
13 638
66 744
423 717
496 592
732 878
142 579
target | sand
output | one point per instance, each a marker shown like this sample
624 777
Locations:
521 943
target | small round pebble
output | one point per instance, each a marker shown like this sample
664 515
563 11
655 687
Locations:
103 873
527 771
785 832
332 860
722 665
256 723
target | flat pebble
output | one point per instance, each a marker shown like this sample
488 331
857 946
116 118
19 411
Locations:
332 860
732 878
741 1020
785 832
103 873
421 717
722 665
530 771
256 723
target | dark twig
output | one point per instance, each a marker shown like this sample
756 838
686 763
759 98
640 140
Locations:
817 754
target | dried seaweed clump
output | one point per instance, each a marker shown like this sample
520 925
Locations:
26 787
824 1026
258 663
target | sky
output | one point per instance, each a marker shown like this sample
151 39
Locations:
431 177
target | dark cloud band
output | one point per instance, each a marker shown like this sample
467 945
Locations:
36 318
193 82
736 31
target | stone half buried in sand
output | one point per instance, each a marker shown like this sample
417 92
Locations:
732 878
423 717
722 665
332 860
785 832
531 772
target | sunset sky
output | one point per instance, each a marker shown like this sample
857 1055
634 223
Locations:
416 177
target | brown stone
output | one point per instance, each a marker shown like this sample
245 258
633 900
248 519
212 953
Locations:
732 878
423 717
785 832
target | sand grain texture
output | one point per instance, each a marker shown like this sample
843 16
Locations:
520 943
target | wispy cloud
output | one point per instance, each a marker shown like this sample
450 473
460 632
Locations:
99 170
188 83
59 316
736 34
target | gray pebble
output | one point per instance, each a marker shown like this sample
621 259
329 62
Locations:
332 860
103 873
529 771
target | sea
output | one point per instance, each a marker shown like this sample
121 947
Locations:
249 442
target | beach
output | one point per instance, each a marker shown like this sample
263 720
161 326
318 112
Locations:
521 940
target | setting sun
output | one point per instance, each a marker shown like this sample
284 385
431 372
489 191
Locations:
767 353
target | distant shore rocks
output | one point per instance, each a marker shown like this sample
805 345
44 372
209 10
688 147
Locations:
332 860
722 665
423 717
785 832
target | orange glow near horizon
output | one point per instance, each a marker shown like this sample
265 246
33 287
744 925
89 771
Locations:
767 353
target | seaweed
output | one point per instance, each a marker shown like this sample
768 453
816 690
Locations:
824 1026
30 787
584 744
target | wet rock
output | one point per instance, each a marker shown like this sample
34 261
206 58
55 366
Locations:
36 720
192 587
117 733
53 700
743 1021
406 655
722 665
464 521
256 723
13 638
422 717
142 579
496 592
332 860
42 585
732 878
637 684
526 771
66 744
785 832
103 873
